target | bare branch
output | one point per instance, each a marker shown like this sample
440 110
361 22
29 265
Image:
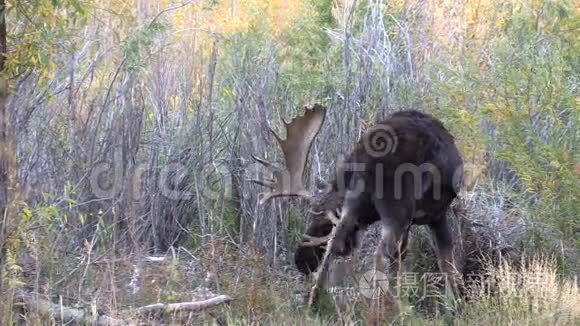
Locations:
185 306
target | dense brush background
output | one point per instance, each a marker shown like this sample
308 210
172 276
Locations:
132 87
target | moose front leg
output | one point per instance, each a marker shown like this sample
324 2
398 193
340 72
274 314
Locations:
388 258
393 246
395 222
442 233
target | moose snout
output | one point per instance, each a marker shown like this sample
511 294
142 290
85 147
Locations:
345 239
307 258
344 243
340 247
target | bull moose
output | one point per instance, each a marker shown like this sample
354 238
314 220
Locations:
405 170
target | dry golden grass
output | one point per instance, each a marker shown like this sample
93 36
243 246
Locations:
529 292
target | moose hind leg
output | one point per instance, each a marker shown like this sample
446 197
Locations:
443 237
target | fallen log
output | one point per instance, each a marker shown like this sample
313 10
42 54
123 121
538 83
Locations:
184 306
66 314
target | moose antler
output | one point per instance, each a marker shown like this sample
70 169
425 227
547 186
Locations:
300 133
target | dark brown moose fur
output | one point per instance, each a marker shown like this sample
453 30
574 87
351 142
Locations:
368 188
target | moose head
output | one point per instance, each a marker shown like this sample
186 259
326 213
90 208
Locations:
404 171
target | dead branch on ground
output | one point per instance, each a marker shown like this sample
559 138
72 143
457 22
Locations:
67 314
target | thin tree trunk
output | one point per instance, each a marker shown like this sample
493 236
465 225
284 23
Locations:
4 166
4 145
8 162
